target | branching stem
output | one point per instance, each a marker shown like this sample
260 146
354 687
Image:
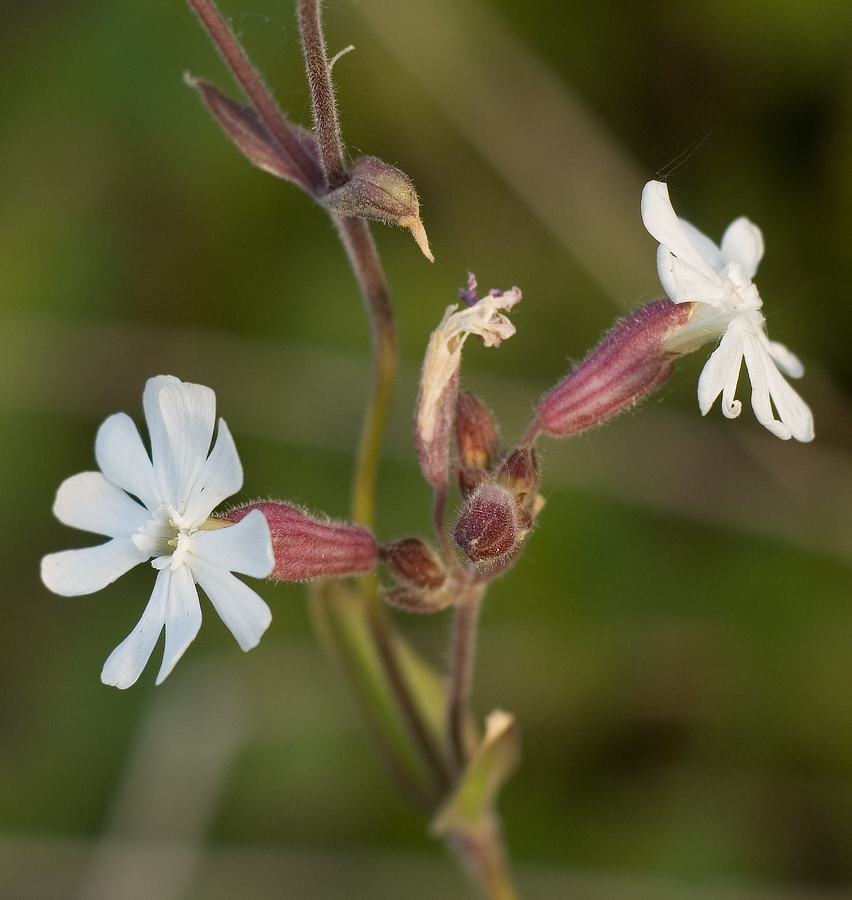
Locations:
257 93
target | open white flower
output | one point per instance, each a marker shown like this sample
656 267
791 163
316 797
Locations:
718 280
159 508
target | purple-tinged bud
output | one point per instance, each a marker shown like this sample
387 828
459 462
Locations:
476 434
521 474
490 527
414 562
306 547
380 192
629 363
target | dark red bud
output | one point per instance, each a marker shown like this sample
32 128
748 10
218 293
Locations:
306 547
628 364
414 562
489 527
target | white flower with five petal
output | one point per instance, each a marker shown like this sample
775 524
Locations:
159 508
718 281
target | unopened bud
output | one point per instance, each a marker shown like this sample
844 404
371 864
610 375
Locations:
489 528
630 362
414 562
374 190
307 547
521 474
476 434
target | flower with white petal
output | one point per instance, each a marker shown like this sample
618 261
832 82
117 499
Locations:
158 507
718 281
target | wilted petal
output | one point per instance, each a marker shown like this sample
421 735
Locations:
73 573
126 662
90 502
183 618
246 615
122 458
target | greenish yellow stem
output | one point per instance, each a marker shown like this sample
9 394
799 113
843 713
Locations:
481 851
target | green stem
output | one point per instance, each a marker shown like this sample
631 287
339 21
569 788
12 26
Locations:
461 672
484 858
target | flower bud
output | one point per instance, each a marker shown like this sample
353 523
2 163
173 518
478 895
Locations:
414 562
489 528
476 434
306 547
629 363
374 190
521 474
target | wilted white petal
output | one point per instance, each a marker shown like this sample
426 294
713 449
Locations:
220 476
245 547
246 615
126 662
742 243
73 573
122 458
91 503
183 618
443 355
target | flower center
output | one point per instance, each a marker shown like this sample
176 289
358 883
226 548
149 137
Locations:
166 536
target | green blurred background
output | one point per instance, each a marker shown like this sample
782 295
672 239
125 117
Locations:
675 641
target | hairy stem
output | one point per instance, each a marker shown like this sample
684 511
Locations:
461 672
326 125
257 93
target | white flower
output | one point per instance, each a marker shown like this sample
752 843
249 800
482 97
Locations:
158 508
718 280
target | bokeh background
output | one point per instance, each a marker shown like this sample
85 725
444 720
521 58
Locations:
675 641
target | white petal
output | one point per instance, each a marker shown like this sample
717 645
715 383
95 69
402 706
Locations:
220 476
180 419
126 662
239 607
710 253
768 388
245 547
721 373
92 503
183 619
72 573
662 223
123 459
688 284
742 243
788 362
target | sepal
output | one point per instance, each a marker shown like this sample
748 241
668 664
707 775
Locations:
307 547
